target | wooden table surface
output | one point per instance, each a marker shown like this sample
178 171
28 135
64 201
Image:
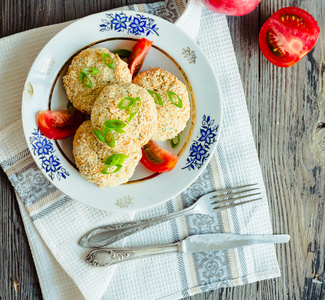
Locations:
284 110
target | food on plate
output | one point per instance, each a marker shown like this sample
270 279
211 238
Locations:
288 35
100 164
138 53
172 101
124 116
232 7
59 124
89 72
157 159
174 142
122 53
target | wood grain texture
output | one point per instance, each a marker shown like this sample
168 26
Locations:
18 277
283 107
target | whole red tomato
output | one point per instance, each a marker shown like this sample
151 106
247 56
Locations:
231 7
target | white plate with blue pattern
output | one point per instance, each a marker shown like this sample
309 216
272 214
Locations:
172 50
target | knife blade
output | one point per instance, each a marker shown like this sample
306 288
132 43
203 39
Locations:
192 244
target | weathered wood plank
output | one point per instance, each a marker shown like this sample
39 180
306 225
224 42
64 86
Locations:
18 278
294 178
284 114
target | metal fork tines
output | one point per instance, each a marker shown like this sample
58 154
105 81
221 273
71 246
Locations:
220 199
206 204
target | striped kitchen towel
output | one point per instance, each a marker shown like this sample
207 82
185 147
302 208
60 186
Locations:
54 222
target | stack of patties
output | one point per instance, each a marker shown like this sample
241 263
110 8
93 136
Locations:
123 115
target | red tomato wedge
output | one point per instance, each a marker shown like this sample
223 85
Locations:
59 124
137 55
288 35
157 159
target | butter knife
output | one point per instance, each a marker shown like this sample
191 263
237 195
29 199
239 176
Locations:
196 243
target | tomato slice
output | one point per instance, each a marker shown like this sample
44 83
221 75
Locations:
59 124
137 55
288 35
157 159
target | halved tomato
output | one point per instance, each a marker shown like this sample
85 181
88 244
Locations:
157 159
137 55
59 124
288 35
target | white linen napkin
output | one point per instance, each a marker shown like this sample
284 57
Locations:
55 222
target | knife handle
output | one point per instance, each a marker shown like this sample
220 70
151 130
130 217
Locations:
109 256
105 235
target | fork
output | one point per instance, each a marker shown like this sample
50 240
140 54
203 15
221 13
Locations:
207 204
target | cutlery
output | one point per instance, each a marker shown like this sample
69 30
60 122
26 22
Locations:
196 243
207 204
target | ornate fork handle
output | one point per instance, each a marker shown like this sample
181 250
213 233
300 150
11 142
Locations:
110 256
105 235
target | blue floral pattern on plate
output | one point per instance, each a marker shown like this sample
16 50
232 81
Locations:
199 151
43 148
137 25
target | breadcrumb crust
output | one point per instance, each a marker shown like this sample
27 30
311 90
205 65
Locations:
171 119
143 125
90 154
83 97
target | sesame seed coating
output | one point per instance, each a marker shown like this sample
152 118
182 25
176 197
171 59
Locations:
139 129
171 119
83 97
90 154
